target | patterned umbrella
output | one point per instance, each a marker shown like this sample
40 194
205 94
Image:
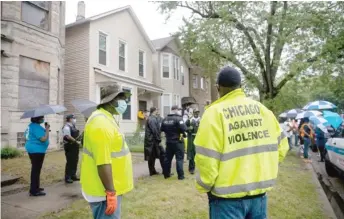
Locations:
320 122
290 113
306 114
85 107
319 105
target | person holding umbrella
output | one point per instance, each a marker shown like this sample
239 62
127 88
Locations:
71 147
37 142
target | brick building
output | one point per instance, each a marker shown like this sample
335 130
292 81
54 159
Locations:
32 60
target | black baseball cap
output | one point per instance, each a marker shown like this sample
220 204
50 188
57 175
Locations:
228 77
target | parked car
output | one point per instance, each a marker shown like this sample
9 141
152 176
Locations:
334 158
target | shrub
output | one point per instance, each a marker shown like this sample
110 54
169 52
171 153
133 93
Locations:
10 152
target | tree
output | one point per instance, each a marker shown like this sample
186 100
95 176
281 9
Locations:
270 42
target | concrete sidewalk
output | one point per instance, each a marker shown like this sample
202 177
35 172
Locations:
59 196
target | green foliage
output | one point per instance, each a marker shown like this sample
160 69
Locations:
270 42
10 152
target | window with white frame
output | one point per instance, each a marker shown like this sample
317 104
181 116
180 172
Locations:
202 83
141 63
166 104
122 55
102 48
127 114
36 13
174 67
194 81
177 64
165 66
182 74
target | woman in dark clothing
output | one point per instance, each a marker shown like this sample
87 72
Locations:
299 128
320 141
307 131
37 142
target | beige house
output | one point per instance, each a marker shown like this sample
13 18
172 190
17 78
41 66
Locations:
172 73
32 65
111 47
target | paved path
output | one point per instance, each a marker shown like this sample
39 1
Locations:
61 195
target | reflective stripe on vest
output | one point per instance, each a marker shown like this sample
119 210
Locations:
124 150
237 153
236 188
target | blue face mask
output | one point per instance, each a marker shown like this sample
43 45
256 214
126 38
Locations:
122 106
41 121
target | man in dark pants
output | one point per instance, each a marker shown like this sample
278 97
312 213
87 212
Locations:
152 142
192 125
173 126
71 147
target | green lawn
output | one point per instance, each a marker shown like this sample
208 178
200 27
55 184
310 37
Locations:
293 197
53 166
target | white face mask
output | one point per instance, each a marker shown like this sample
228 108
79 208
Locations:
74 121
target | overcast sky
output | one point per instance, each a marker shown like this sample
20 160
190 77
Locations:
151 19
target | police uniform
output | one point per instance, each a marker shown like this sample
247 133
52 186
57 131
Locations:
174 126
239 145
192 125
71 150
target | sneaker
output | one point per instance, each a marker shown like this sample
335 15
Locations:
38 194
69 180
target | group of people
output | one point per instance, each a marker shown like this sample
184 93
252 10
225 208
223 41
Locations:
305 135
236 148
175 130
37 142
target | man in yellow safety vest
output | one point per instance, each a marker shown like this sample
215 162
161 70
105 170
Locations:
239 144
106 170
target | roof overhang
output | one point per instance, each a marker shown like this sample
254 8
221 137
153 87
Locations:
109 76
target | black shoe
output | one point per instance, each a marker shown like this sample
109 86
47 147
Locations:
192 172
181 178
75 178
154 173
168 176
321 161
41 189
69 180
38 194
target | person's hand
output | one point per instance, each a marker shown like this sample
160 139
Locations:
47 127
111 202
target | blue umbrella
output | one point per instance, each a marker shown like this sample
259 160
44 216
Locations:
319 105
320 122
333 118
306 114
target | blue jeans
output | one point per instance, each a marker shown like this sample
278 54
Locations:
98 209
290 144
296 139
254 208
307 143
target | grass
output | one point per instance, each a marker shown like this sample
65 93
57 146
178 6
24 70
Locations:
52 171
293 197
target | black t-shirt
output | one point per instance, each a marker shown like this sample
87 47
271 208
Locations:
307 130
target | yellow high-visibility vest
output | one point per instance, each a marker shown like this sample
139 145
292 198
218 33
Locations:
239 144
104 144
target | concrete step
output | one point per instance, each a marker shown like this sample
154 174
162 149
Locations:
11 189
7 180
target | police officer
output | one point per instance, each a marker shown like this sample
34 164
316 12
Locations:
71 147
192 125
239 144
174 126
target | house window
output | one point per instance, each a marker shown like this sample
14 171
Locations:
177 67
122 55
165 66
202 83
33 83
182 74
127 114
194 81
21 140
102 48
174 66
166 103
36 13
141 63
